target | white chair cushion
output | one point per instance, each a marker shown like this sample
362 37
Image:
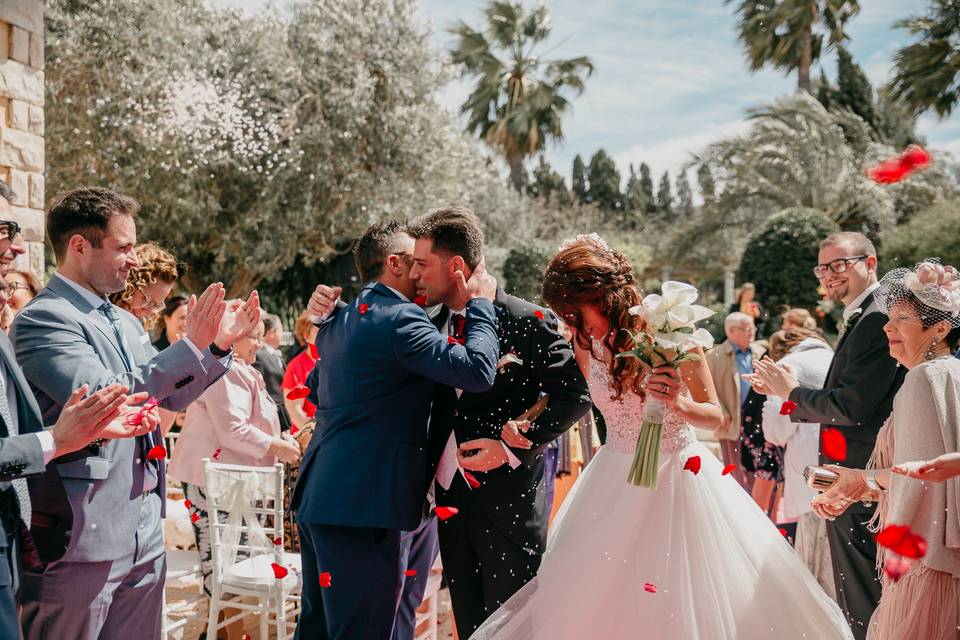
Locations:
182 563
255 572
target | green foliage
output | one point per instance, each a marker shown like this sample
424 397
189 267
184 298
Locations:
523 272
925 74
854 90
578 180
519 96
789 34
258 142
646 184
685 208
665 199
604 182
779 256
931 233
635 202
548 184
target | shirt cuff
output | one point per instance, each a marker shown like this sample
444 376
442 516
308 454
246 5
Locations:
512 460
193 348
47 445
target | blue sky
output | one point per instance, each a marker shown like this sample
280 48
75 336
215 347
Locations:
670 74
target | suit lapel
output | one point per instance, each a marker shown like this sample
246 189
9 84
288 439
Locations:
28 412
97 319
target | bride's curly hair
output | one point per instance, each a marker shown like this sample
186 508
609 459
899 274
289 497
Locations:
586 271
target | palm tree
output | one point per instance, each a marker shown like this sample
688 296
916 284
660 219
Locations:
789 33
926 72
518 98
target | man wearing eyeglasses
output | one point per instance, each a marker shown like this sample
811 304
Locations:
856 399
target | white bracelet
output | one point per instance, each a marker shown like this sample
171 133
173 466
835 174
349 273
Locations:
871 479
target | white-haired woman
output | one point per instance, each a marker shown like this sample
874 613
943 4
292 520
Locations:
923 599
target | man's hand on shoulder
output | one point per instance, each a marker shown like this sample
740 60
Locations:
480 284
323 302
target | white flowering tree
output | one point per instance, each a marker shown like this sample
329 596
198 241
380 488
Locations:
255 140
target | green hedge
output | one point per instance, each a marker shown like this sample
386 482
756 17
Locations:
523 272
779 258
931 233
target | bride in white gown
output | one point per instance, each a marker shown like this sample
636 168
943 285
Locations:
694 559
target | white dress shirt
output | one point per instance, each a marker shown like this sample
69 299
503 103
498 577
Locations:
853 306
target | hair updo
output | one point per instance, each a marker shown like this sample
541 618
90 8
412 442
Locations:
585 272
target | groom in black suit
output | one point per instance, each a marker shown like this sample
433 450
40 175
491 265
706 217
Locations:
856 399
494 545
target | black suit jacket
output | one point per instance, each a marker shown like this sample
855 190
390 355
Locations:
857 396
513 499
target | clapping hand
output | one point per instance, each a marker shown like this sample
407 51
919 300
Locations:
511 434
323 302
770 378
939 469
241 320
204 315
85 419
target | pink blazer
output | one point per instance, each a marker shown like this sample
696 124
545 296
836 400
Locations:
235 414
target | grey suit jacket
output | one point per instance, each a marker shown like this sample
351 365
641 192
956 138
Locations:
88 509
20 455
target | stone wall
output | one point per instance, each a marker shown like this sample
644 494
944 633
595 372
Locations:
21 118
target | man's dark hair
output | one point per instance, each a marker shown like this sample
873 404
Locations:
861 244
86 211
455 231
271 322
6 192
377 242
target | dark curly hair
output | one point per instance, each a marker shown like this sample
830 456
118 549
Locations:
587 272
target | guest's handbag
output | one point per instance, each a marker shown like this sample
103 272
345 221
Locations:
819 479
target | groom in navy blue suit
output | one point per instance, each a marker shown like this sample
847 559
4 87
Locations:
364 476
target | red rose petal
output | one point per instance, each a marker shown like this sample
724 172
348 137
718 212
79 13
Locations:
363 308
888 171
900 540
782 531
279 571
895 566
730 468
410 573
216 454
326 580
420 301
293 429
312 348
834 444
649 588
187 504
445 513
246 636
158 452
194 517
278 541
452 340
788 407
538 314
299 392
692 464
915 158
471 480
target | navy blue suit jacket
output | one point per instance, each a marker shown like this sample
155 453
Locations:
380 359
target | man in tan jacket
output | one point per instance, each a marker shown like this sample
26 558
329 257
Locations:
728 362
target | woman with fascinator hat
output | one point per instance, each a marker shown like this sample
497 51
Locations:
693 558
921 598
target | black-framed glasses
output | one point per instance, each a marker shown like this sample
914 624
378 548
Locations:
839 265
9 229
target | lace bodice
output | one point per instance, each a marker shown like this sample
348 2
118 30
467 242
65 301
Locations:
624 417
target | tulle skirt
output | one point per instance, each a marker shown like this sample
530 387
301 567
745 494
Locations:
694 560
924 604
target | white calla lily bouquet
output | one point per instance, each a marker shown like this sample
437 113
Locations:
668 339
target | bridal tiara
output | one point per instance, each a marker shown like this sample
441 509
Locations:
587 238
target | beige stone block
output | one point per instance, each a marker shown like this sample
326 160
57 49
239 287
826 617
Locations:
22 150
35 259
19 181
20 45
37 183
36 120
36 50
5 174
4 40
31 220
4 113
26 14
19 113
20 81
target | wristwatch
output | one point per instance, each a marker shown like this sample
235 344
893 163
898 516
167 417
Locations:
217 351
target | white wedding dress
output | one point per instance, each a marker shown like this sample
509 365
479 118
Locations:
720 568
